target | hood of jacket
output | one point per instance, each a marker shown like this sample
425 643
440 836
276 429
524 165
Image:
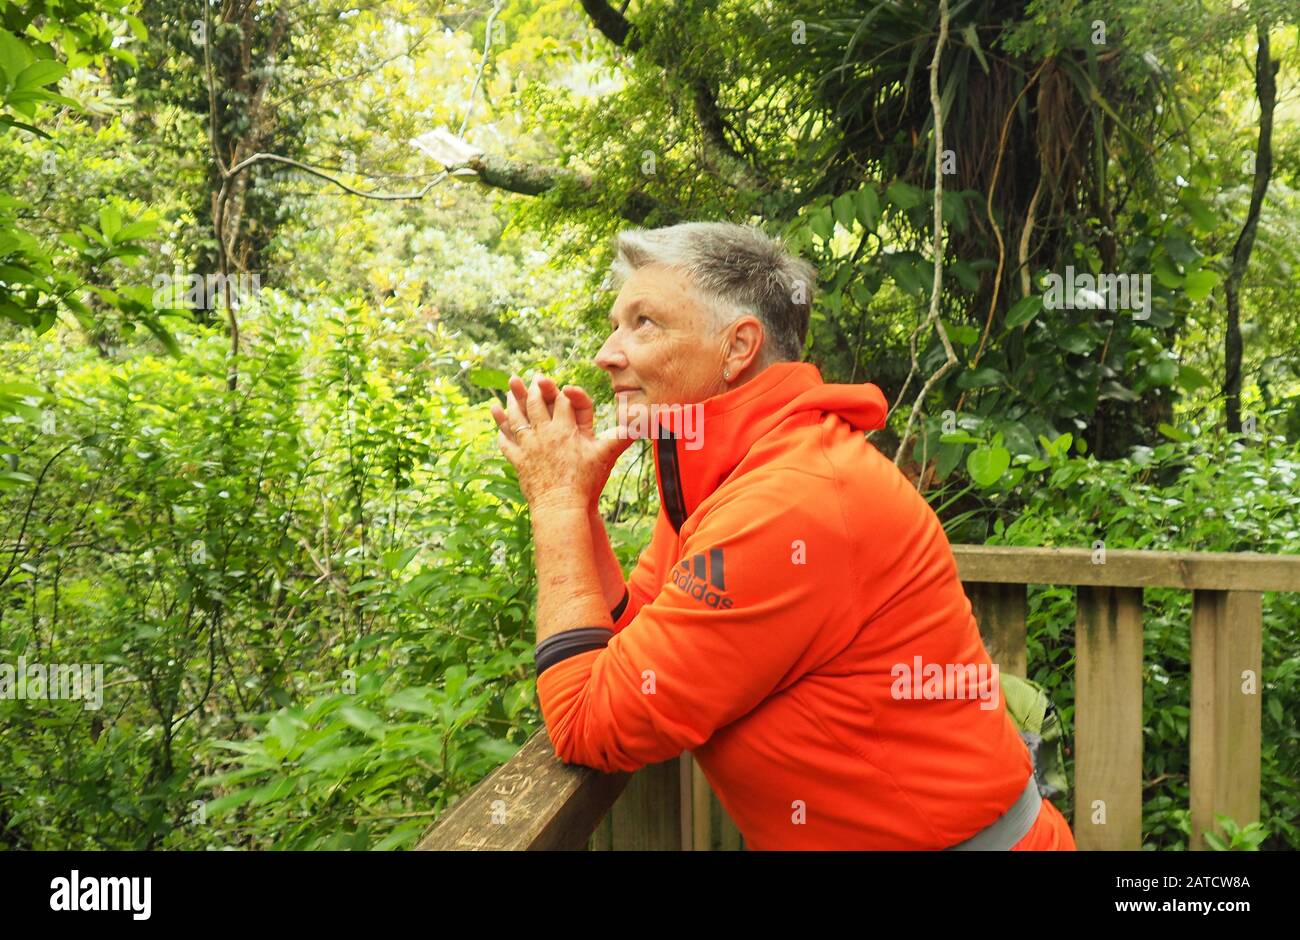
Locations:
697 447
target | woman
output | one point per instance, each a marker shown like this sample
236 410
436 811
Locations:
796 622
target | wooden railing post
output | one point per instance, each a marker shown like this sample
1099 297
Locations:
708 814
1227 655
701 809
1000 612
647 817
1108 719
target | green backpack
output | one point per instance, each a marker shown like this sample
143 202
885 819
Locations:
1032 710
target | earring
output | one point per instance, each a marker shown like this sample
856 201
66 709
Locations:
726 374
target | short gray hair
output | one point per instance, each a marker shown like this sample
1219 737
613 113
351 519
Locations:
736 269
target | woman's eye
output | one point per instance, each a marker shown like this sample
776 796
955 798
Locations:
640 320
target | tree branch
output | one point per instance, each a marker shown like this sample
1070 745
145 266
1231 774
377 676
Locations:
1266 91
618 30
306 168
950 359
615 27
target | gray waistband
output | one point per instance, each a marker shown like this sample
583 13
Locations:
1010 827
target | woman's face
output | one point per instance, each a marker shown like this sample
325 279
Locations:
662 348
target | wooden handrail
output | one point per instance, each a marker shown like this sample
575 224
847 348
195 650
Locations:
1209 571
534 801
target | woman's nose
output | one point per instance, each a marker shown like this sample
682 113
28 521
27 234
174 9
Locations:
610 355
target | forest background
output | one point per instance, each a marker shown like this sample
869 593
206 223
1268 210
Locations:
264 264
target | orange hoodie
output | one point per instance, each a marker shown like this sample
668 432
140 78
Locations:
785 625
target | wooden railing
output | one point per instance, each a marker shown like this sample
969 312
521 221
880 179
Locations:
534 801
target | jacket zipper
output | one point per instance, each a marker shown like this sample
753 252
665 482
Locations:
670 476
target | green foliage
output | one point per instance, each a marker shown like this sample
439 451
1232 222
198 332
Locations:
1238 838
312 586
1215 493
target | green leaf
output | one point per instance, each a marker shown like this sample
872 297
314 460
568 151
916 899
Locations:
284 729
1190 379
904 195
110 221
141 228
333 760
973 40
224 804
987 464
1275 709
398 559
1163 372
1198 284
364 721
1077 340
822 224
962 333
520 695
163 336
1166 273
1173 433
904 273
1181 249
413 700
1201 213
454 677
1059 447
980 378
867 204
137 26
14 55
844 210
1023 310
1112 389
490 378
966 277
39 73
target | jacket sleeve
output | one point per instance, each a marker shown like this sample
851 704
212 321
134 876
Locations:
743 615
643 583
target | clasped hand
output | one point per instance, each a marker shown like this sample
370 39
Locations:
547 434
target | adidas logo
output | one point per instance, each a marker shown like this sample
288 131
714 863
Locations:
699 576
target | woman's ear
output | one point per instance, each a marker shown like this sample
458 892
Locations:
746 339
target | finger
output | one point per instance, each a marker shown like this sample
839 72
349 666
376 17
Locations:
520 390
518 393
537 411
584 410
503 423
564 413
550 392
499 415
515 411
509 448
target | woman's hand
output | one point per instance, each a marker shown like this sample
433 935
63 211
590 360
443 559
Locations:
548 435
